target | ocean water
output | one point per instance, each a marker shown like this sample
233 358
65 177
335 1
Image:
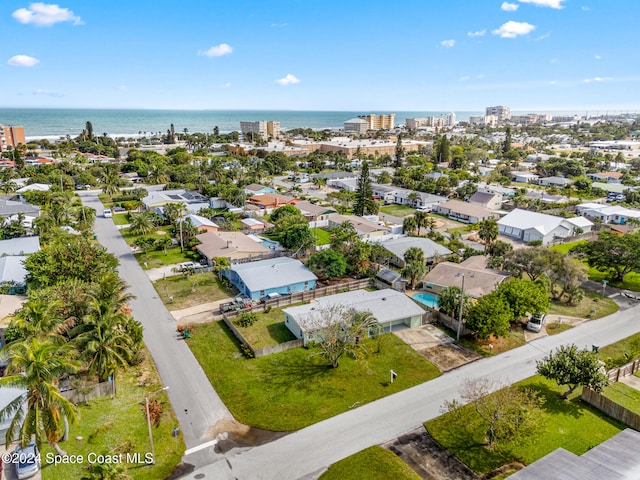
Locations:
54 123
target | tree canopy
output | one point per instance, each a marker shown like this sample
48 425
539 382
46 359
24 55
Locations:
616 255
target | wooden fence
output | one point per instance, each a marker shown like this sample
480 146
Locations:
92 391
615 374
611 408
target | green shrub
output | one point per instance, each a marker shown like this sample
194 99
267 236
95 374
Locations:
246 319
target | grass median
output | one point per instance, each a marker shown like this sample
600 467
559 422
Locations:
290 390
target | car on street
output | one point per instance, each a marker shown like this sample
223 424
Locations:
27 461
107 213
536 322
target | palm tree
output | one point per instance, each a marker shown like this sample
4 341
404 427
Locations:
488 231
409 225
421 220
36 366
111 292
413 198
110 181
102 341
39 318
142 224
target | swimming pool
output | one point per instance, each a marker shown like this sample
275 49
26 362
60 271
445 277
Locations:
428 299
270 244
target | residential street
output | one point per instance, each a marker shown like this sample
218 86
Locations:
194 400
306 453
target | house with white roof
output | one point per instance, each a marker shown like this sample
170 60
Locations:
531 226
203 224
524 177
282 275
389 307
609 213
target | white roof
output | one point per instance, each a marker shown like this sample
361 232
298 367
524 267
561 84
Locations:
386 306
200 221
524 220
580 222
251 222
399 246
35 187
19 246
272 273
12 269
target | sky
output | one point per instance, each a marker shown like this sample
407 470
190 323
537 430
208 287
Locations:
405 55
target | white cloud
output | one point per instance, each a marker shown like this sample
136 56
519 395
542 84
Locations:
45 15
217 50
597 79
122 87
479 33
23 61
557 4
553 82
542 37
513 29
480 76
597 57
278 25
288 80
448 43
225 85
47 93
509 7
464 79
585 9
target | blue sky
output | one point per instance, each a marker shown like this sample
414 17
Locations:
415 55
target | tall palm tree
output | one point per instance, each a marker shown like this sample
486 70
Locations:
421 220
409 225
488 231
36 366
110 291
110 181
39 318
103 341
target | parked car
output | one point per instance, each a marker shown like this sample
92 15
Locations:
27 461
107 213
187 265
423 209
536 322
270 296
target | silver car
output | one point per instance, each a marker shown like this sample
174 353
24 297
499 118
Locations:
536 322
27 461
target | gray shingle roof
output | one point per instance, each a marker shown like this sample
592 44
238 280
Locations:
399 246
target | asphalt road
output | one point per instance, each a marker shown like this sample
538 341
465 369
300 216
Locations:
306 453
195 402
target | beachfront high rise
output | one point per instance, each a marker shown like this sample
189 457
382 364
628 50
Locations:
264 129
10 137
501 112
379 122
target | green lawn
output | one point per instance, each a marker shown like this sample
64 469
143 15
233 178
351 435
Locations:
398 210
293 389
111 425
157 258
373 463
555 328
322 236
570 424
592 302
207 289
121 218
625 395
631 280
269 330
620 353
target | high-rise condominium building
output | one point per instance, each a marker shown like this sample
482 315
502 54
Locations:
264 129
11 137
499 111
379 122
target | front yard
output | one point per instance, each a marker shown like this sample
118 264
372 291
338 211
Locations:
398 210
269 330
592 306
179 292
293 389
114 425
373 463
570 424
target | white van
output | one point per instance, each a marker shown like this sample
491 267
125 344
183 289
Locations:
107 213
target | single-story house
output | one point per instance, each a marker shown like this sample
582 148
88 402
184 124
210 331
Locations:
271 200
254 225
367 230
610 187
389 307
34 187
478 280
158 198
559 182
10 208
529 226
609 213
203 224
507 193
524 177
335 176
492 201
317 215
399 246
257 189
606 177
464 212
614 459
282 275
234 246
19 246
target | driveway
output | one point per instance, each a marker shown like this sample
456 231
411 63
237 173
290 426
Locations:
195 402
